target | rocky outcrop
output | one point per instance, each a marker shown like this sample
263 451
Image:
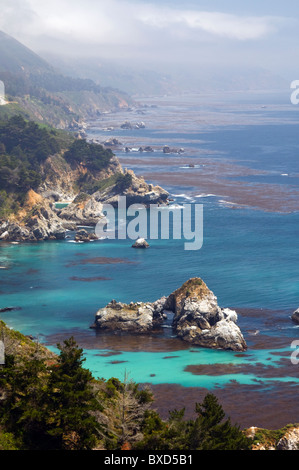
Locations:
85 192
140 243
37 221
167 149
295 316
85 210
130 126
286 438
60 180
290 441
199 320
112 142
84 236
197 317
134 317
137 191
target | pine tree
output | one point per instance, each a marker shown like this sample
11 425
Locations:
211 432
71 401
22 407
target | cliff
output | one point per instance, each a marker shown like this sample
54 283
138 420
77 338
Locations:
41 166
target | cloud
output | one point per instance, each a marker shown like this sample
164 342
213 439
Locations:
214 23
114 20
134 29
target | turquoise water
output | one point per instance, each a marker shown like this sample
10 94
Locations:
249 259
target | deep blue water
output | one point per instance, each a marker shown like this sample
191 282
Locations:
249 258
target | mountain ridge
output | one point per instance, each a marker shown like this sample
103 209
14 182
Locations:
40 92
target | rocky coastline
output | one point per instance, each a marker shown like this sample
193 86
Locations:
39 219
197 318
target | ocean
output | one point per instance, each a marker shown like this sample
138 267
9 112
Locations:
241 162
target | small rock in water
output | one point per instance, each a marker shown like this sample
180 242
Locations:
140 243
295 316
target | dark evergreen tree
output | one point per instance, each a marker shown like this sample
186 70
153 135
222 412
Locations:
71 401
212 432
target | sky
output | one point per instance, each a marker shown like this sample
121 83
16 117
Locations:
233 33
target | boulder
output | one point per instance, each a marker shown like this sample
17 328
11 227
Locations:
290 441
134 317
199 320
84 236
295 316
137 191
112 142
140 243
87 211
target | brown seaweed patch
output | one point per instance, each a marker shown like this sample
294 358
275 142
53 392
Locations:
283 368
109 354
117 362
216 179
215 369
32 271
89 279
100 260
93 339
267 342
170 357
269 407
280 353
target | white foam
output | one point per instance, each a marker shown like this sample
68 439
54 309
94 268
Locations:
228 203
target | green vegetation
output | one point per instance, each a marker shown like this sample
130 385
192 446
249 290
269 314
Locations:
93 156
209 431
23 147
270 438
50 402
119 180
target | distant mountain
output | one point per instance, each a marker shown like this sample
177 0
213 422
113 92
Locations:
147 80
37 89
136 80
17 58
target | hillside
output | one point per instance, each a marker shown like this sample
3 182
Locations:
40 165
17 58
38 91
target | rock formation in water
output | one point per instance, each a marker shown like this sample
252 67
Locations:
199 320
136 317
295 316
197 317
85 236
140 243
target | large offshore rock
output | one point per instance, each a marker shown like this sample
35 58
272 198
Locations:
197 317
134 317
199 320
